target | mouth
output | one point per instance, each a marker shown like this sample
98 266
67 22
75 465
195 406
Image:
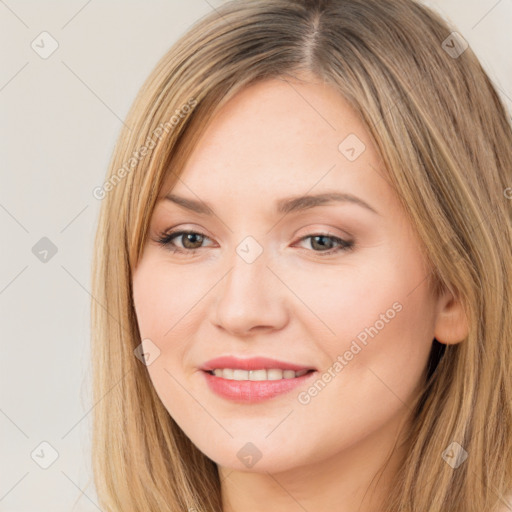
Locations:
252 380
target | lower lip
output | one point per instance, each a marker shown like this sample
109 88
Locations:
253 391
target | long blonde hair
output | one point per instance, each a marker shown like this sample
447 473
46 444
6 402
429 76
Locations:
445 139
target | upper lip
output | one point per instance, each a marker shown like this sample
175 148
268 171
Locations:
253 363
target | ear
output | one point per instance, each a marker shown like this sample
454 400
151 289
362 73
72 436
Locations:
451 325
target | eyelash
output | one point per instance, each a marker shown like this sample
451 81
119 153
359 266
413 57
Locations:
165 239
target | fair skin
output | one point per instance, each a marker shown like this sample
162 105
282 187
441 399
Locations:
269 142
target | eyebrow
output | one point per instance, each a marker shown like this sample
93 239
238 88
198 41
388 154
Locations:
283 206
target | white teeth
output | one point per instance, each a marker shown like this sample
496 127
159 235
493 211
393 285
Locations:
240 374
270 374
228 373
255 375
275 374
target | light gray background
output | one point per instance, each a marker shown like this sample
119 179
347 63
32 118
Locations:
59 120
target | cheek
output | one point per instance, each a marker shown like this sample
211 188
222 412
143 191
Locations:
375 362
163 299
163 310
342 302
167 302
378 318
384 287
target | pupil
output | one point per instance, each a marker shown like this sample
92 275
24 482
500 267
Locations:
315 238
190 236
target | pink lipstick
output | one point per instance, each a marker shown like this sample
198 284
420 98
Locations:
255 379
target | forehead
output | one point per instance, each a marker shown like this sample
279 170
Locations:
280 137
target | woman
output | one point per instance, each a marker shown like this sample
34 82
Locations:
242 364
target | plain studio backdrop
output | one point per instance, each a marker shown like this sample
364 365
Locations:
69 73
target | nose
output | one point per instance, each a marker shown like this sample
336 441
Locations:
250 299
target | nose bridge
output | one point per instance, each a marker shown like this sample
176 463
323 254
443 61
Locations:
249 295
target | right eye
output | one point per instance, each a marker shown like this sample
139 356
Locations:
187 237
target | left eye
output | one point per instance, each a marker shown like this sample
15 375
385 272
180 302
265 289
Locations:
192 241
318 240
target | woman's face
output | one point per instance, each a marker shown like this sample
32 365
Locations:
338 286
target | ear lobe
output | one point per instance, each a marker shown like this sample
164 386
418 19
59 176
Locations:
451 322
